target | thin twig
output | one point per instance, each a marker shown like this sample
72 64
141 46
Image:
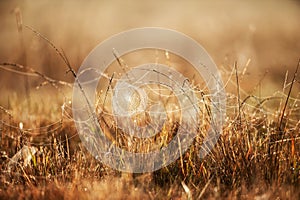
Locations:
205 187
288 96
238 93
109 85
60 53
30 71
6 111
121 63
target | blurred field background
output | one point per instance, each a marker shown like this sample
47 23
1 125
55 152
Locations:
266 33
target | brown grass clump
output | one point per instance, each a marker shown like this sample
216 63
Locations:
256 157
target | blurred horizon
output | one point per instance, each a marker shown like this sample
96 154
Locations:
265 35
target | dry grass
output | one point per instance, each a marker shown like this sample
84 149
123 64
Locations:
251 160
256 157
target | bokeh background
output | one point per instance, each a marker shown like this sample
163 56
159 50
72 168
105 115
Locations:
262 35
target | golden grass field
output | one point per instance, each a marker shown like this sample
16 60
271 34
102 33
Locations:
256 47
